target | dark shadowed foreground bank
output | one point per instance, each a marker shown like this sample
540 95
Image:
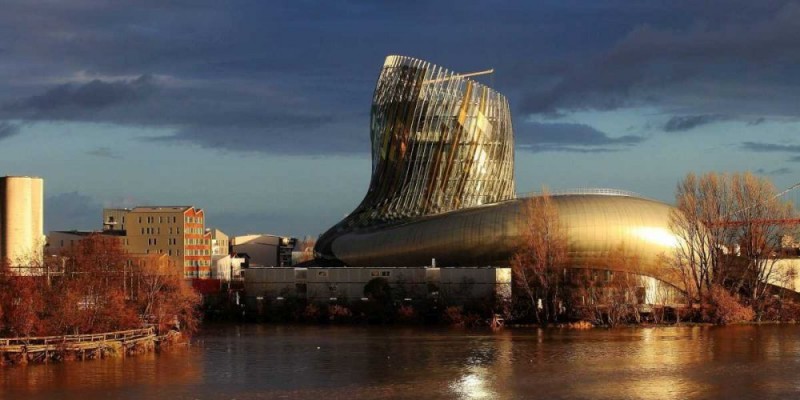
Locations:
336 362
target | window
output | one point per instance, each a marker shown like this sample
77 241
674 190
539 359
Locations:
386 273
140 220
142 231
323 274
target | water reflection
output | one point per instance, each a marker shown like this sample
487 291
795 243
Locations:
299 362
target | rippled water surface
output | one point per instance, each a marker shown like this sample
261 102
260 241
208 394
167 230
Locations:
310 362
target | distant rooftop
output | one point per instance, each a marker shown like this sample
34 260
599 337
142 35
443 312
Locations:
160 208
87 233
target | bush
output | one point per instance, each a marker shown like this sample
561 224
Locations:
337 312
454 316
406 313
727 309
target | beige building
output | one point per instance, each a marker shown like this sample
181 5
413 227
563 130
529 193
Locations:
175 231
219 242
21 220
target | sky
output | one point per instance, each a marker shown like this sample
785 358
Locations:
258 112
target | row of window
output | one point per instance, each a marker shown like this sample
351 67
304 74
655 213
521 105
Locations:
194 220
197 263
152 220
154 241
161 251
204 252
191 241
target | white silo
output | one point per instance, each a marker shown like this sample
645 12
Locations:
21 220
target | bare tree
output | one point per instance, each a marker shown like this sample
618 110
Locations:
540 256
702 220
730 229
761 221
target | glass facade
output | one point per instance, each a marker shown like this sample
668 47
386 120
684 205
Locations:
442 186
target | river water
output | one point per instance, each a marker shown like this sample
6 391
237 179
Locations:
325 363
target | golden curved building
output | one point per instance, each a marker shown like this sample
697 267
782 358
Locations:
442 187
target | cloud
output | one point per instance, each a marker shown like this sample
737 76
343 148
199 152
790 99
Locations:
676 64
688 122
770 147
570 137
794 159
93 95
221 115
72 211
104 152
779 171
8 129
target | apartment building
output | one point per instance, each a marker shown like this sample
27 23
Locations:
175 231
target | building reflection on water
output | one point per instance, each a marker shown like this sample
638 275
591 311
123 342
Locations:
312 362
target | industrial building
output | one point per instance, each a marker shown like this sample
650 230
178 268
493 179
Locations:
264 250
21 221
347 284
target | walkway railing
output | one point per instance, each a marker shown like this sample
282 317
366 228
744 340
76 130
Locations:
598 191
123 336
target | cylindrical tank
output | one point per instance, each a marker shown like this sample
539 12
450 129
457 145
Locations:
21 219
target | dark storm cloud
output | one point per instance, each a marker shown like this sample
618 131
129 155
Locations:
298 77
688 122
655 64
568 137
794 159
64 101
770 147
8 129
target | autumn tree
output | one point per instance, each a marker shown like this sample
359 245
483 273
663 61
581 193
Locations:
730 230
21 303
540 255
701 220
163 297
91 289
760 228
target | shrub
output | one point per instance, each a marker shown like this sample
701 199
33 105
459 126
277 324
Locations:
728 309
338 312
406 313
454 316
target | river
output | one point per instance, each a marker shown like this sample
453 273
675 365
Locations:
360 362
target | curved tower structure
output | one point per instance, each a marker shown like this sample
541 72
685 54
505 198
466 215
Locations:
442 187
440 142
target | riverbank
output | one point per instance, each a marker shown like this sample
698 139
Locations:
49 349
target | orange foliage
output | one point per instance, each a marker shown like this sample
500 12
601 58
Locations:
94 288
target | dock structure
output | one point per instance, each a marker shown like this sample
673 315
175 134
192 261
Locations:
15 351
